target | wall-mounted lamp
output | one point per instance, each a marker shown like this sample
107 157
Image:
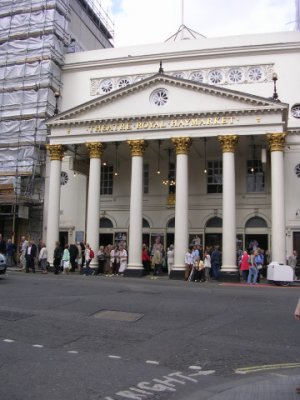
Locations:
275 94
158 160
205 168
116 158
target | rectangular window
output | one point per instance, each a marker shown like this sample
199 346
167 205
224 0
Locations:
214 176
146 178
107 172
255 176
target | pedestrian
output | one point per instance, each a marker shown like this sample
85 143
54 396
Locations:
170 258
114 260
189 263
9 253
156 262
244 265
66 260
73 256
101 261
259 261
43 256
145 259
123 259
216 262
252 277
89 255
82 251
22 251
57 257
292 261
207 266
30 256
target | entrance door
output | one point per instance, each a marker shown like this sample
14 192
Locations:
261 239
63 238
213 239
105 239
170 239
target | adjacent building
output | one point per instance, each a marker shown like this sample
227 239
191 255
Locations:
35 35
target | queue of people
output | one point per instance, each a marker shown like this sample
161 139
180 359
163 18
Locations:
200 266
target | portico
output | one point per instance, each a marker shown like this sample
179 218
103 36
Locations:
181 113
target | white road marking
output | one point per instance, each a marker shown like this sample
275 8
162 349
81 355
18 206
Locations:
112 356
258 368
194 367
73 352
152 362
37 345
8 340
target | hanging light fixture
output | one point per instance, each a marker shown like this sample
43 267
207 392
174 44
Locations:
74 163
116 158
170 181
158 160
205 169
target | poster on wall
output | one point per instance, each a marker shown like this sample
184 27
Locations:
121 238
195 240
79 236
157 242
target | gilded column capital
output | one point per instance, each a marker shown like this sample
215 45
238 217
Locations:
95 149
276 141
228 143
182 144
56 151
137 147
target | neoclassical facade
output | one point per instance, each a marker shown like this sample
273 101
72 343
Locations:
179 140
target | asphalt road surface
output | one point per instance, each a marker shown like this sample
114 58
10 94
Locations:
114 338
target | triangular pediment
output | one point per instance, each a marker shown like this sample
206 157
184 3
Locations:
162 95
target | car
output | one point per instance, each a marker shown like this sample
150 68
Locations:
2 264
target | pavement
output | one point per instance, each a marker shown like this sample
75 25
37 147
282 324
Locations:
279 384
264 382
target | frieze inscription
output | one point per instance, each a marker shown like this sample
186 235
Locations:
125 126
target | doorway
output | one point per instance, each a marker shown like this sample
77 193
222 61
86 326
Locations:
260 239
63 238
106 239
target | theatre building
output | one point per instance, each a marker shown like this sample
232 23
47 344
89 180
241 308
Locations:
185 139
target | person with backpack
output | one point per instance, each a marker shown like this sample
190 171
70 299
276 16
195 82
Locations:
89 255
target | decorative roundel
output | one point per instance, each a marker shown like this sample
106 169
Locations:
255 74
64 178
235 75
179 75
215 76
295 110
123 82
106 86
197 76
297 170
159 97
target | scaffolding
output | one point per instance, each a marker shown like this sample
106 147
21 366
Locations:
34 37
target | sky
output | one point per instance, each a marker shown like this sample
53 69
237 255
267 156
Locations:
153 21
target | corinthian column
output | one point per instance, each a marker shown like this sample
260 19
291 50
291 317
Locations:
182 146
56 155
276 143
135 266
229 267
93 207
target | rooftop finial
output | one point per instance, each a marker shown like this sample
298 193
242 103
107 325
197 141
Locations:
161 70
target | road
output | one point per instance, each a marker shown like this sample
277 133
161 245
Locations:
114 338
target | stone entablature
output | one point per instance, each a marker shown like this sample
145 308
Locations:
214 76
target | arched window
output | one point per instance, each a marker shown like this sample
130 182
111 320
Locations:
106 223
145 223
171 223
214 222
256 222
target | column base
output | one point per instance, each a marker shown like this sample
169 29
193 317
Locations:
177 274
229 276
135 272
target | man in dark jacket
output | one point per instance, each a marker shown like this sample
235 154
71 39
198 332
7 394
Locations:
73 255
216 262
57 256
30 256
